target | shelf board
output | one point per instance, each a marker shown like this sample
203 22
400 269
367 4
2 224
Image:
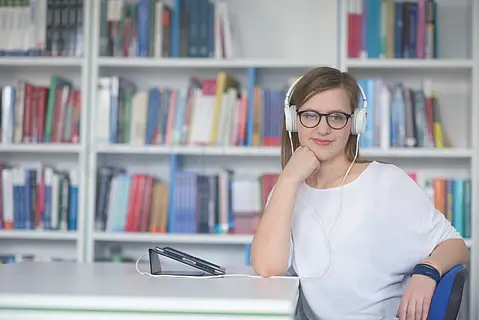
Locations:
147 62
187 150
275 151
135 237
410 63
417 153
37 235
28 61
41 148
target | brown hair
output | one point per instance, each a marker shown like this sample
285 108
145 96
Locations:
316 81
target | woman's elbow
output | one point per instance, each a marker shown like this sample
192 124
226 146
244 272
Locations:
266 270
460 247
464 253
265 263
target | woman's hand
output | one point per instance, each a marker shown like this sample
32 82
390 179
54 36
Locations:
416 298
302 164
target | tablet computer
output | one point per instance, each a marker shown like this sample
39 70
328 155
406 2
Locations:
157 269
190 260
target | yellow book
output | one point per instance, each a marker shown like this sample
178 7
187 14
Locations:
257 130
437 126
223 82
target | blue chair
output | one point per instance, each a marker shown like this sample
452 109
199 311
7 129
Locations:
448 295
444 305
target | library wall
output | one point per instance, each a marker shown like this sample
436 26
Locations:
116 116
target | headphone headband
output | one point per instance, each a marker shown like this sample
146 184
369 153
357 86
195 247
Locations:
358 118
289 93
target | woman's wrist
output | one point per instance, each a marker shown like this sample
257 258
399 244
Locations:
434 265
428 268
288 179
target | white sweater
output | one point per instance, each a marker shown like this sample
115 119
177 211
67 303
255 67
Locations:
386 226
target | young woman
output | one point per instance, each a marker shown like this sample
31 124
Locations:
353 243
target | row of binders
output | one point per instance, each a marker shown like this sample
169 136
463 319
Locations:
38 198
214 111
219 112
155 28
451 197
32 113
42 28
189 203
401 116
393 29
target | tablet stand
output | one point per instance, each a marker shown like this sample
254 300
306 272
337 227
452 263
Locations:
156 268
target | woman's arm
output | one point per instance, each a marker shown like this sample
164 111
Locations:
431 239
418 295
270 247
448 254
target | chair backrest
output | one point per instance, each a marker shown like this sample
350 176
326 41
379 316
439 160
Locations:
448 295
444 305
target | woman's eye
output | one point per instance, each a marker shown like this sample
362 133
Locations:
337 117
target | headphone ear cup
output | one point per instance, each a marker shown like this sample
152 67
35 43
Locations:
290 118
294 126
287 120
358 121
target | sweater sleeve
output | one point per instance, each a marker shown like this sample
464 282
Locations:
415 225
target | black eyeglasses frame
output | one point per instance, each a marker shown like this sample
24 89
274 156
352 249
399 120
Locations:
321 115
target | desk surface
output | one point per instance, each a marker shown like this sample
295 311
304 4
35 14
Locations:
118 288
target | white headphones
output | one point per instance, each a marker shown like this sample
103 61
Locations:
358 127
358 118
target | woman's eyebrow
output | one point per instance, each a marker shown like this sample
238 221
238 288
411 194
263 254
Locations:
329 111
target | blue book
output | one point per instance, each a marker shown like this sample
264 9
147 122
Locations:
458 205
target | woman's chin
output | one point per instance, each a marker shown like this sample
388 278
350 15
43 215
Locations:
325 155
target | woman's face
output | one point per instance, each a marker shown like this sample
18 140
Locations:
327 141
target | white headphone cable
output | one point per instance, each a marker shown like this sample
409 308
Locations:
344 179
291 142
318 217
256 276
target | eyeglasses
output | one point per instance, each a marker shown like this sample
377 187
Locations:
335 120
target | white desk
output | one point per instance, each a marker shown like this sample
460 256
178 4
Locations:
36 290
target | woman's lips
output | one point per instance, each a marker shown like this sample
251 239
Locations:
322 142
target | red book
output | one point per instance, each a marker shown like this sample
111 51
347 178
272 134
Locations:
27 115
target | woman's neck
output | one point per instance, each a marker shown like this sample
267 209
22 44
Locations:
330 173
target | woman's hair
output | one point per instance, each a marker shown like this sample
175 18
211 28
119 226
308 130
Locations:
316 81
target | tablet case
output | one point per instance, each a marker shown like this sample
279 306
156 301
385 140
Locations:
193 261
156 268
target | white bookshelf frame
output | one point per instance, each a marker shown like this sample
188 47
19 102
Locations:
67 241
88 152
474 272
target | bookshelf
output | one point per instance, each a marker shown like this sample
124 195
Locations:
28 68
270 64
451 67
273 45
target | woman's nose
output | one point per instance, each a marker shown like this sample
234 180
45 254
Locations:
323 126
